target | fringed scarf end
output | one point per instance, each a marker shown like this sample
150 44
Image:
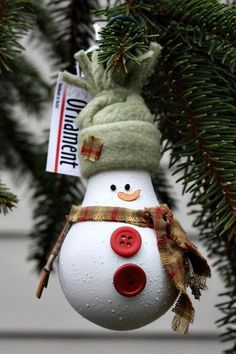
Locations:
180 325
195 281
184 314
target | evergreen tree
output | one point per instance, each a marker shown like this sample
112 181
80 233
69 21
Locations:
21 86
191 94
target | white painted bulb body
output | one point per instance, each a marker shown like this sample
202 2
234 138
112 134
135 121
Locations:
87 262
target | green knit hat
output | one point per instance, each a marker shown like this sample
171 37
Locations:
116 127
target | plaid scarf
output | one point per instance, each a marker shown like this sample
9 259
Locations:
182 261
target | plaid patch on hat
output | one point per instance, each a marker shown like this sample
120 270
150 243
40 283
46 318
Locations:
91 148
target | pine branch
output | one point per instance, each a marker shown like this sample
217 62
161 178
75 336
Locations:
65 27
159 16
18 148
16 17
25 88
7 199
121 40
25 85
206 113
198 103
208 15
18 87
140 10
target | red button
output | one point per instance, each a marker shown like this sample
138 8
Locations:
125 241
129 280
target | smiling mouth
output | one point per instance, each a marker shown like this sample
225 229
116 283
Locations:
129 197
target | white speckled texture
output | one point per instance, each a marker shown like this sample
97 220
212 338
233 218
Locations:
87 262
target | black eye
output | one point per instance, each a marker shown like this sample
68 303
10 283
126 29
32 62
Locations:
127 187
113 187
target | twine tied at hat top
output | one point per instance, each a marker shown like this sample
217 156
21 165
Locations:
181 259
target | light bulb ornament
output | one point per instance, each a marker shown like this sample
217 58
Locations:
124 259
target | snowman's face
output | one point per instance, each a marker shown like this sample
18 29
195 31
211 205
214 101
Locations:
130 189
126 196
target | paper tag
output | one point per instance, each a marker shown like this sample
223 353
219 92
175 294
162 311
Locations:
63 140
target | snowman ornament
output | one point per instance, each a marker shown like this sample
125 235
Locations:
125 259
111 273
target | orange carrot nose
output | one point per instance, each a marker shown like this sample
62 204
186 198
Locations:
129 197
